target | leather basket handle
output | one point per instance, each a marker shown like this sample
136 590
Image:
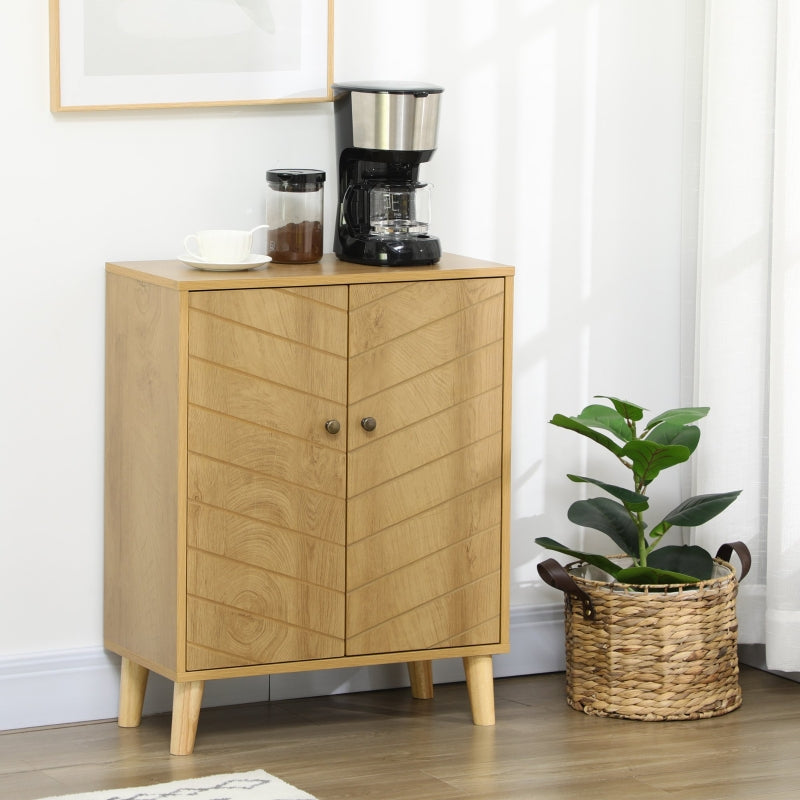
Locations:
553 574
741 550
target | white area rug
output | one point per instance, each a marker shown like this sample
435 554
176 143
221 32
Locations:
256 785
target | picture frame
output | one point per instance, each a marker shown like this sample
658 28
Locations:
129 54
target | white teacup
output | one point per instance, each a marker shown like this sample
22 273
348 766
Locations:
221 246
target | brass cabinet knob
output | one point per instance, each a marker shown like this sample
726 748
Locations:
333 426
369 424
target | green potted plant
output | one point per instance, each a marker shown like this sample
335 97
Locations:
666 440
651 629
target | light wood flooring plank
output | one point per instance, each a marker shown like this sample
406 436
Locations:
387 746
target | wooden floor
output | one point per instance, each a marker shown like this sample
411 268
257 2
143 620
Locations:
387 746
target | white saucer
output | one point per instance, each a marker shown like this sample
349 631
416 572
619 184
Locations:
252 261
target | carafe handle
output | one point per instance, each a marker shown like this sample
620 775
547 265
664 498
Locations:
350 197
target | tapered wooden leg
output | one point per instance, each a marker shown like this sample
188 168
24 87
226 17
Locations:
132 685
421 675
480 687
186 701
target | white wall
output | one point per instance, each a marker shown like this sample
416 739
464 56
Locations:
561 151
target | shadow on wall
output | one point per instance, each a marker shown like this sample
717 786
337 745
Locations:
561 137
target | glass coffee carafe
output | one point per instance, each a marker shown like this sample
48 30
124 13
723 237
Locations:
399 210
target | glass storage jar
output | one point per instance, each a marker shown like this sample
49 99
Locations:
294 215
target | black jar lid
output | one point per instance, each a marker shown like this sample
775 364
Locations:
295 180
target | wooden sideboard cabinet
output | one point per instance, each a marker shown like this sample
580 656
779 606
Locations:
307 467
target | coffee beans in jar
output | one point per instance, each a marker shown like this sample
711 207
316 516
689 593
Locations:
294 215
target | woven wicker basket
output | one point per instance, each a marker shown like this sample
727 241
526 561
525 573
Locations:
651 652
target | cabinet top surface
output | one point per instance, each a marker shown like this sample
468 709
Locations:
330 270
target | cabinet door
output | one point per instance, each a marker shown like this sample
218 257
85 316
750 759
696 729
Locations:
266 480
424 487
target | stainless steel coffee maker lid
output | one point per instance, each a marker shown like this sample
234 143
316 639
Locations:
393 116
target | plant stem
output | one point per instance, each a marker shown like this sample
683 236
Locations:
639 487
643 549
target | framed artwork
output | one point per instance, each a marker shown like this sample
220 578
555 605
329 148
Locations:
109 54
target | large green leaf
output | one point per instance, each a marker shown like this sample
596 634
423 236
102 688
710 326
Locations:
649 458
610 518
700 509
651 576
679 416
628 410
573 425
609 419
686 559
590 558
667 433
633 501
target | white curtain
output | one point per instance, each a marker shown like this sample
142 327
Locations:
747 355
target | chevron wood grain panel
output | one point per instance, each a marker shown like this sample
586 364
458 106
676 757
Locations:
486 631
424 500
365 293
423 489
238 442
270 500
264 403
380 313
438 574
284 552
469 615
266 482
385 457
263 355
415 538
428 347
265 594
240 638
430 392
338 298
314 316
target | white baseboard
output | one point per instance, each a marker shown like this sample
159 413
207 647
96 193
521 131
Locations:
79 685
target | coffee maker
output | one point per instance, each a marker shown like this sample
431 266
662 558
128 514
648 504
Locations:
384 131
